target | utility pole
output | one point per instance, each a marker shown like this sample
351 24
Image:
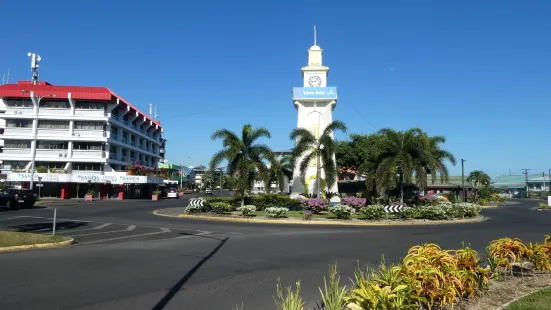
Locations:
463 179
181 176
543 190
525 172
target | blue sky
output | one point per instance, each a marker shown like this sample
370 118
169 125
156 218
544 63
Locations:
477 72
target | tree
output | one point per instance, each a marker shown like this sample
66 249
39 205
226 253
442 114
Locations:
401 157
479 179
280 167
433 160
245 158
309 147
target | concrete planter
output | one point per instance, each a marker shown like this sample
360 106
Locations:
154 197
88 197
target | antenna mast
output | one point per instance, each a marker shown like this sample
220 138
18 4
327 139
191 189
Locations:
35 59
150 110
315 41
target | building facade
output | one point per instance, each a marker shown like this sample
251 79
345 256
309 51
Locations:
314 103
76 135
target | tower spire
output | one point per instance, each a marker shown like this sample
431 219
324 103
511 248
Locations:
315 43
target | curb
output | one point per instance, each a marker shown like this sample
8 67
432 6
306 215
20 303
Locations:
489 206
504 306
322 222
37 246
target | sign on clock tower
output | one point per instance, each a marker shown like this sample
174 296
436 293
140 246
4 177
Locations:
314 103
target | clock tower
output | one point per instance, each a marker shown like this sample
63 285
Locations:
314 102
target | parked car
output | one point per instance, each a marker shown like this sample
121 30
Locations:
173 193
208 191
12 198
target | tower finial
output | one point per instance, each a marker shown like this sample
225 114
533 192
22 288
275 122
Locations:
315 35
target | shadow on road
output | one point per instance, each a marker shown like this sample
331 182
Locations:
37 227
165 300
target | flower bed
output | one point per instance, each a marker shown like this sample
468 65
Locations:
429 278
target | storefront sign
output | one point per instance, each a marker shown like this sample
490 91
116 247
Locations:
108 177
94 178
45 177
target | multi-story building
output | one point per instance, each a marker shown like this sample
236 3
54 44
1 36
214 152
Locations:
76 135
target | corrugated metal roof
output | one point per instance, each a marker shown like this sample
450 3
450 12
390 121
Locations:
23 88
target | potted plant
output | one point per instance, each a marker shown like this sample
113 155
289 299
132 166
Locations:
155 195
89 195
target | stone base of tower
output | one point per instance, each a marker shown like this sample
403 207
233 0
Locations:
309 187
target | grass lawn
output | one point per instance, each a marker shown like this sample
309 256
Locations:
8 238
536 301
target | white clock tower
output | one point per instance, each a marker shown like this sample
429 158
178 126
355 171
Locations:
315 103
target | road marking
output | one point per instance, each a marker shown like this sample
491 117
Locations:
93 228
10 218
129 228
201 233
163 230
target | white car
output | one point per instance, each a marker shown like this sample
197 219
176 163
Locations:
208 191
173 193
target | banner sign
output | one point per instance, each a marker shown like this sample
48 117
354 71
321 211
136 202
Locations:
113 178
315 93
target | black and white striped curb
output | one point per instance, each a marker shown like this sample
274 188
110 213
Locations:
394 208
196 202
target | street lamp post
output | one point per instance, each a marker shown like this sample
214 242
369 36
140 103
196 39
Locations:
463 179
39 186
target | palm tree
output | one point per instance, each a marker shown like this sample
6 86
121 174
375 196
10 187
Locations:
245 158
401 156
309 147
479 177
433 160
280 167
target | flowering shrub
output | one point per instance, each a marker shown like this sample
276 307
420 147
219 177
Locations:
307 215
465 209
431 212
276 212
314 204
354 202
247 210
408 213
220 207
343 211
373 212
194 209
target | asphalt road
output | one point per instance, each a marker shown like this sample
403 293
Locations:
128 258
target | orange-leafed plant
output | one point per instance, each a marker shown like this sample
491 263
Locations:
506 251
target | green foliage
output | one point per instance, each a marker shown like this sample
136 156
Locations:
373 212
543 205
276 212
287 298
263 201
333 296
245 158
91 191
408 213
220 207
194 209
479 179
280 168
247 210
342 211
321 149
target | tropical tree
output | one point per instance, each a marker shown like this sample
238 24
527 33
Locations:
309 147
280 168
401 156
479 178
433 160
246 160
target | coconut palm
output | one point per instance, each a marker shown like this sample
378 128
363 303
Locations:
401 157
309 147
479 178
433 160
245 158
280 168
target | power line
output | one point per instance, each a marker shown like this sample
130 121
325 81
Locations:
361 115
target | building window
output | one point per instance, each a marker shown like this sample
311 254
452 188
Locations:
21 123
90 105
52 145
89 146
84 125
19 103
51 165
17 144
51 124
9 165
87 166
54 104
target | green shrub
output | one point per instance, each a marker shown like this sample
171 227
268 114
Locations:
276 212
220 207
194 209
342 211
431 212
408 213
374 212
247 210
264 201
229 200
543 205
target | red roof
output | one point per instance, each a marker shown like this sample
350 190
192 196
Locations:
44 89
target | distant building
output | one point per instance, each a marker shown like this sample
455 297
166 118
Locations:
178 174
516 184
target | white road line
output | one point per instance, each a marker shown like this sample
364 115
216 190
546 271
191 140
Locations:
10 218
51 218
202 233
93 228
129 228
163 230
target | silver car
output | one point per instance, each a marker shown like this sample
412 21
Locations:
173 193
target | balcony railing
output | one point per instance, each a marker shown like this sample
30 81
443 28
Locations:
114 136
47 111
18 131
133 143
19 111
124 140
88 154
50 132
52 153
115 117
113 156
89 133
10 151
90 112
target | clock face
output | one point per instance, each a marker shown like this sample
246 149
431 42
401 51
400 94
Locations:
314 81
